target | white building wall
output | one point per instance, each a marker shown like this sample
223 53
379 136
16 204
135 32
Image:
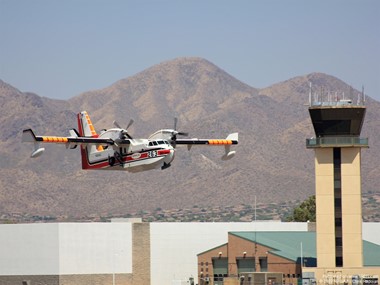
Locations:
86 248
30 249
371 232
94 248
66 248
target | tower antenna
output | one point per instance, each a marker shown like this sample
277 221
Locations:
363 94
309 93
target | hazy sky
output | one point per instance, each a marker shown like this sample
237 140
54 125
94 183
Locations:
59 49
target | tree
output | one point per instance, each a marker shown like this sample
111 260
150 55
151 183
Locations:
304 212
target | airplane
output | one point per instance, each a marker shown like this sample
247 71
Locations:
115 149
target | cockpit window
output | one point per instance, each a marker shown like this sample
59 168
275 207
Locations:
159 142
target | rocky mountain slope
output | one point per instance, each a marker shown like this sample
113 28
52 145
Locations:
271 163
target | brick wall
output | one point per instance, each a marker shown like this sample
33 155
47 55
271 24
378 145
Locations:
205 266
239 249
75 279
30 280
141 253
94 279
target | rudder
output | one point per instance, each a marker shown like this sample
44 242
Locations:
86 129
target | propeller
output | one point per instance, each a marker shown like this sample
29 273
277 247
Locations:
175 132
124 132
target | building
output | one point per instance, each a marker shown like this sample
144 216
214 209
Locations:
288 253
100 253
256 252
337 146
339 254
124 252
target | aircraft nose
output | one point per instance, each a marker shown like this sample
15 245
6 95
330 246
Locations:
172 154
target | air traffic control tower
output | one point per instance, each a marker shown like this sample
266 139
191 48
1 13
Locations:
337 145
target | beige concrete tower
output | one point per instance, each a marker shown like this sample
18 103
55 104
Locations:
337 146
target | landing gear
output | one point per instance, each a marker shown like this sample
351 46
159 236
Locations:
117 156
111 160
166 165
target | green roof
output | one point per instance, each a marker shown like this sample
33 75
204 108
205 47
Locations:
371 253
284 244
288 245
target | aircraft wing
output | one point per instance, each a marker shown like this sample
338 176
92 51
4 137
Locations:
232 139
71 142
29 136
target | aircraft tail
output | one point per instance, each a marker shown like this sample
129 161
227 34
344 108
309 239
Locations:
86 129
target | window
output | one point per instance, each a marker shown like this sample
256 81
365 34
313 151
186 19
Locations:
339 261
263 261
220 268
245 264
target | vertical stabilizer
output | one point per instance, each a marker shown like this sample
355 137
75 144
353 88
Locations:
86 129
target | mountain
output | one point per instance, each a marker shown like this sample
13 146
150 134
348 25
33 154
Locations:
271 163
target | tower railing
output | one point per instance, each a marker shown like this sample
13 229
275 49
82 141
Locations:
337 141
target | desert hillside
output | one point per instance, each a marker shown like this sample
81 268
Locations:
271 163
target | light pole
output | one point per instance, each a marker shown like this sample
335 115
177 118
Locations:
113 266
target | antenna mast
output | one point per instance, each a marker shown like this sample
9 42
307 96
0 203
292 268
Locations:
310 93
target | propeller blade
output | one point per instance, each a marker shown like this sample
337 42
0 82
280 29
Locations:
175 133
116 124
124 132
129 124
128 136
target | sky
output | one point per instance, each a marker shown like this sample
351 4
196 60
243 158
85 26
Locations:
59 49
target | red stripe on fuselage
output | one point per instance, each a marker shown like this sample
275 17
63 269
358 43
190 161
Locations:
128 159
